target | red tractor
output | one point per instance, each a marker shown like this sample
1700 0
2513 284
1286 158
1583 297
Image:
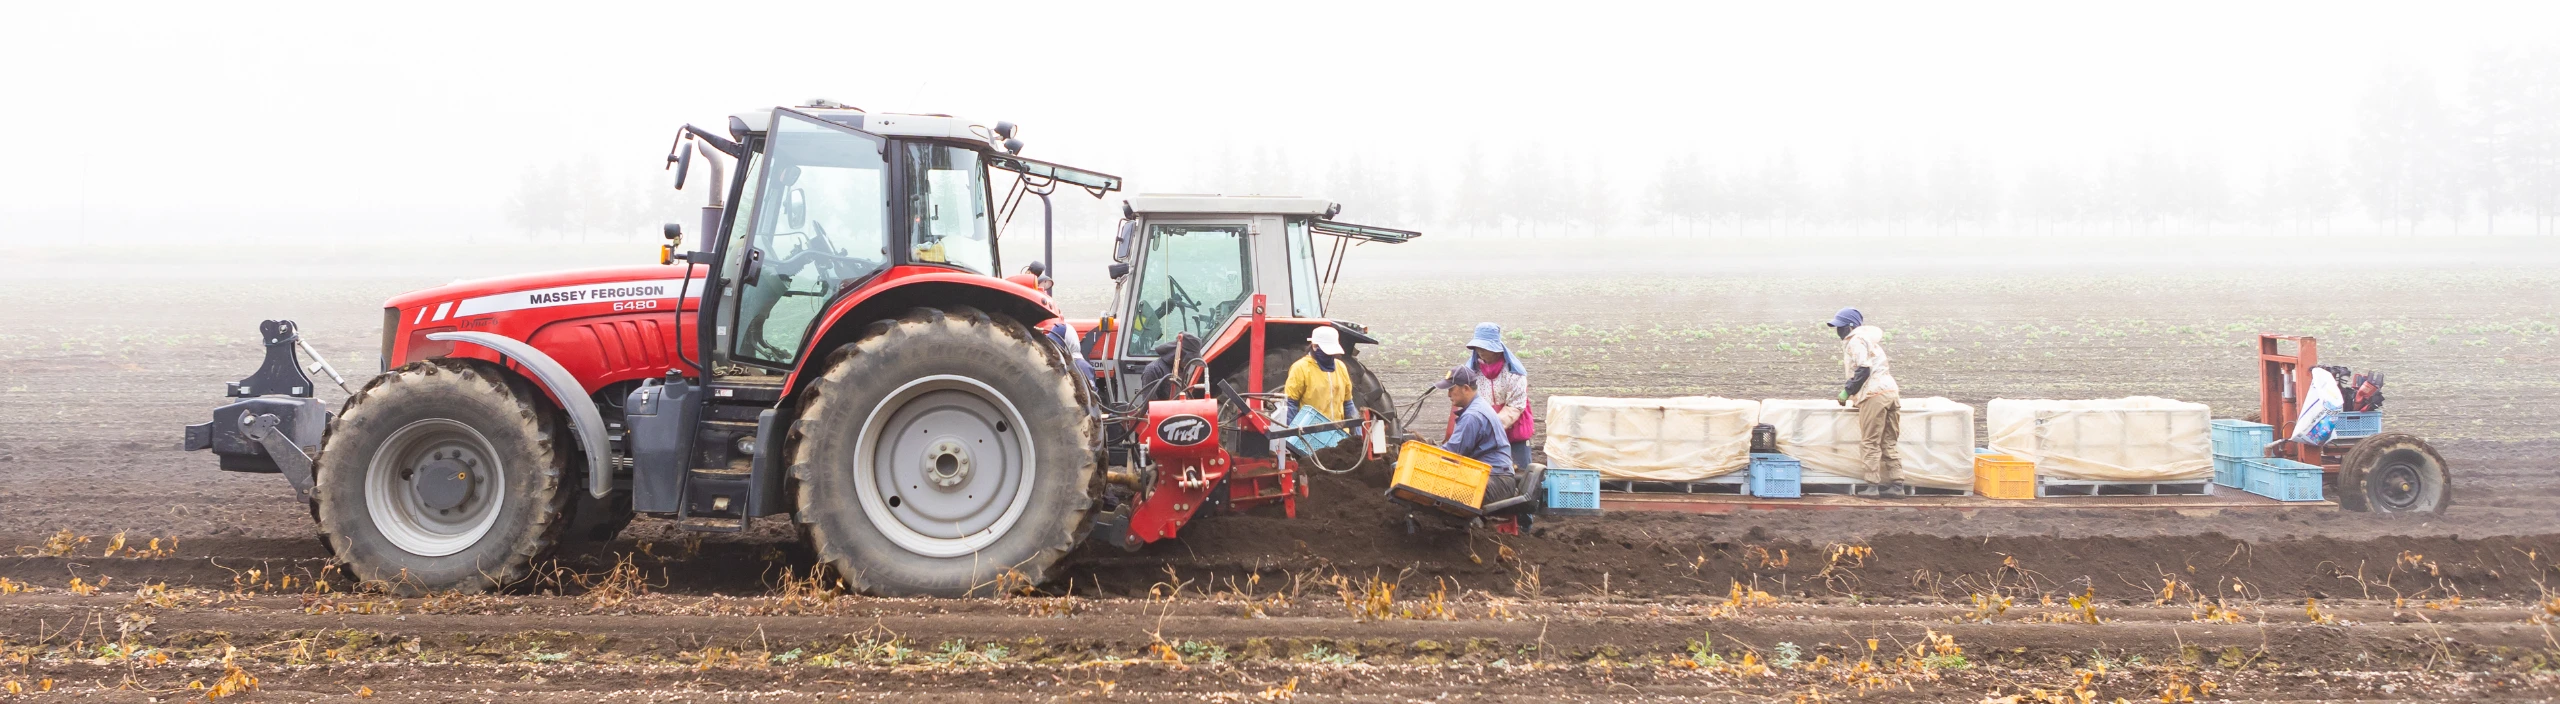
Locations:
840 348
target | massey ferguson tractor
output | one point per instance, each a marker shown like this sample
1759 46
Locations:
840 348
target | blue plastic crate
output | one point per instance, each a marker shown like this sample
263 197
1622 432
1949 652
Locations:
1776 476
2282 479
1573 491
2231 471
2358 424
2240 438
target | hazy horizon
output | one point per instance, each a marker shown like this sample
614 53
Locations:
315 124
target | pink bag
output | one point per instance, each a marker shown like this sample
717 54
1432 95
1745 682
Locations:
1527 426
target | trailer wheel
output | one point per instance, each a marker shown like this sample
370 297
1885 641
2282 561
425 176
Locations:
2394 473
944 454
442 475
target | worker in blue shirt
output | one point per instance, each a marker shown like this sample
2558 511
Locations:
1478 434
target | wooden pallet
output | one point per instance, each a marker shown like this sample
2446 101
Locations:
1826 483
2060 488
1729 485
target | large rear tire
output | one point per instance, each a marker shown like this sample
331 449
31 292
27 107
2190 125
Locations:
443 475
2394 473
945 453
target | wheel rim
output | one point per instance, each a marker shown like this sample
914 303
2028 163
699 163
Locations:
435 487
944 466
2397 485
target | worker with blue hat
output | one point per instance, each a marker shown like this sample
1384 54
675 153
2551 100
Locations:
1504 385
1879 401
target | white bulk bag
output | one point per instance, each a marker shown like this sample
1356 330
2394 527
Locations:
1650 439
1936 446
2138 439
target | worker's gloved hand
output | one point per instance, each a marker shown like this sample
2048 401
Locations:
1844 398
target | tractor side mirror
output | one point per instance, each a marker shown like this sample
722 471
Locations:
682 162
1120 244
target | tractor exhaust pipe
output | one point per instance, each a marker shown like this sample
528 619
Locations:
712 208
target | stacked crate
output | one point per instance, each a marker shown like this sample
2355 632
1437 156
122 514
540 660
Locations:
2234 442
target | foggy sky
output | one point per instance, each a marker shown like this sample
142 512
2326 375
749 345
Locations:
166 122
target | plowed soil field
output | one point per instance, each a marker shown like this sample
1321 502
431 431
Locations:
137 572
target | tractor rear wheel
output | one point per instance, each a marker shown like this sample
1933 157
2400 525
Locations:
945 453
443 475
2394 473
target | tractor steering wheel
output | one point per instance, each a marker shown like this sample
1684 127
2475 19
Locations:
818 250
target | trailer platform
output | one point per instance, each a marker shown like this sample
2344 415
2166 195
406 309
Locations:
2192 505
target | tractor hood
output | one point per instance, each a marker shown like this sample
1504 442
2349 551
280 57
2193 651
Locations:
545 289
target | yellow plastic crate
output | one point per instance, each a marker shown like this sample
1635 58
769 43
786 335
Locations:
1430 475
2003 477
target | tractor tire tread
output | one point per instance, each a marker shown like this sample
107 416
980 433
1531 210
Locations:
540 426
818 405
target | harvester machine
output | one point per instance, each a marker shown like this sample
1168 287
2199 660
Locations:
2363 466
838 348
1220 294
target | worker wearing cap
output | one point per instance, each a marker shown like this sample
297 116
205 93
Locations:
1320 380
1504 385
1877 398
1477 433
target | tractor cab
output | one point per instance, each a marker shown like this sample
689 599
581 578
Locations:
1197 264
835 198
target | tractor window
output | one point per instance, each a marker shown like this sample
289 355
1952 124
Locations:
1193 279
821 221
947 207
1304 300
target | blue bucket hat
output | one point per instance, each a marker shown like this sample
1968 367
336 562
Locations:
1847 318
1489 338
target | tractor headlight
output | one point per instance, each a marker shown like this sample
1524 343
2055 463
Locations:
390 325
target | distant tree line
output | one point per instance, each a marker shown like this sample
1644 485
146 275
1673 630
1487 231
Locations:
2421 157
2418 160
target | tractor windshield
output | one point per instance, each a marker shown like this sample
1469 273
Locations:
948 208
1192 280
821 219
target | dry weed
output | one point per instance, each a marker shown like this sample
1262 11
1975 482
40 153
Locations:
2079 609
2311 609
1987 607
1373 599
62 544
1738 599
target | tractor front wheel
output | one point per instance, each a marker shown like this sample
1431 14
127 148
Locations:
945 453
440 476
2394 473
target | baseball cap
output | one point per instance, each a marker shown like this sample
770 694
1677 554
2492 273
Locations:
1460 375
1327 339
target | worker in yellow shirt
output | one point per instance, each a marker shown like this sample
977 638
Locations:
1319 382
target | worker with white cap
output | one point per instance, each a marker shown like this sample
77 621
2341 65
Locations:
1320 381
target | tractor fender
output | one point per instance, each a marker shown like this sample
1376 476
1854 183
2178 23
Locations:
584 420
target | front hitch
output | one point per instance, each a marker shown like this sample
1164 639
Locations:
276 426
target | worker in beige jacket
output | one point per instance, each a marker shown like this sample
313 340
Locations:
1877 398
